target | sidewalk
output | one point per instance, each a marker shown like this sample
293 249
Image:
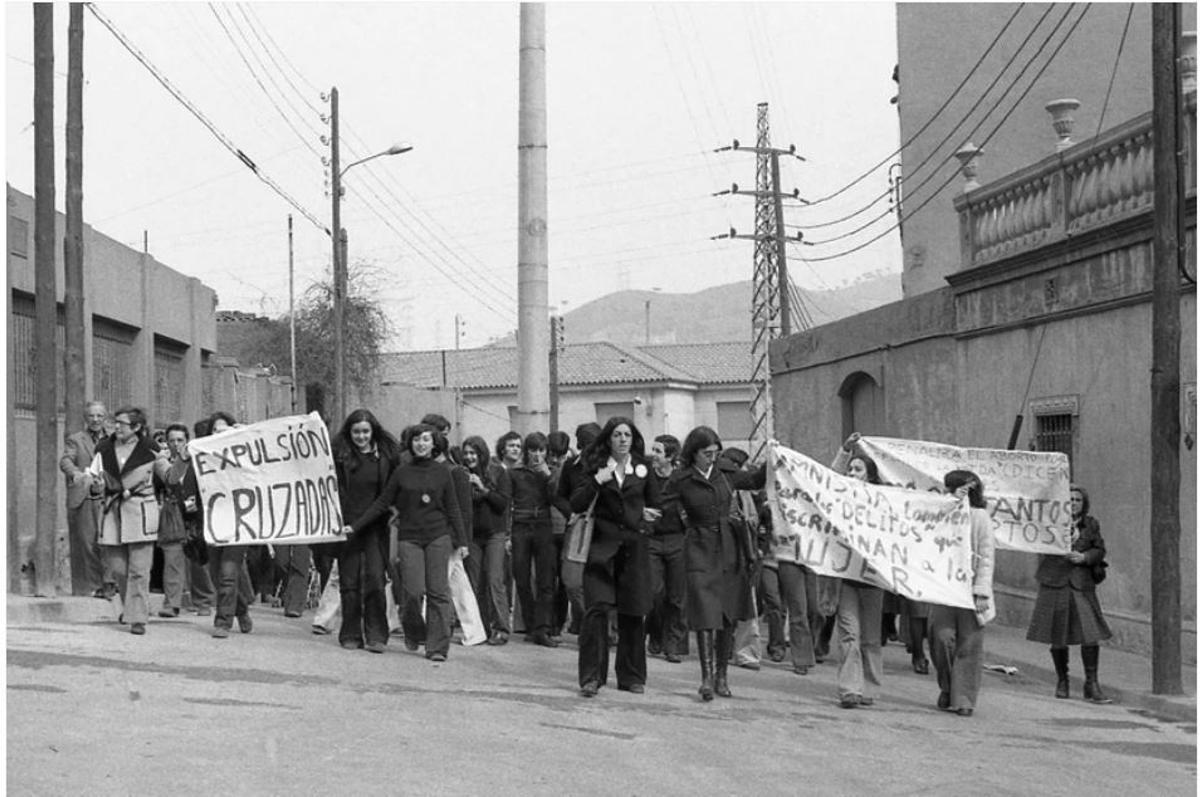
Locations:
1125 677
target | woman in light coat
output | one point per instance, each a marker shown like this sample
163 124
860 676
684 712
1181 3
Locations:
957 634
125 470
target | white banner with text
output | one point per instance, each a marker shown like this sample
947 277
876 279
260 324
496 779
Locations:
271 482
1028 493
914 543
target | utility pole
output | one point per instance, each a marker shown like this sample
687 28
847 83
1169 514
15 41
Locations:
292 311
338 408
770 273
458 331
73 366
45 300
1166 618
557 337
533 384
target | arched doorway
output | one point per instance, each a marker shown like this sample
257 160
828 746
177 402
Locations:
862 405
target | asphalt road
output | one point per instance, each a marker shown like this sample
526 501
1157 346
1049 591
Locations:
92 709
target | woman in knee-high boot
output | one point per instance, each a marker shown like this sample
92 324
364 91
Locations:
717 558
1067 611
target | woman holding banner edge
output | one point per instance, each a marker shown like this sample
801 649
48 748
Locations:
858 606
957 634
430 528
717 557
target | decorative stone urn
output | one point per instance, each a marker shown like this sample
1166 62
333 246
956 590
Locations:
968 158
1062 116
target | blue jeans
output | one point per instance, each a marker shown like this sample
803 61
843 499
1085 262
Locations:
227 563
425 571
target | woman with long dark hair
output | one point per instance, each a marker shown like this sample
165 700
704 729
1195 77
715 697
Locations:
716 555
179 511
491 491
1067 611
365 454
956 634
128 466
429 529
625 497
857 604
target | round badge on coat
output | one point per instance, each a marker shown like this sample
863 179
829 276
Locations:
425 498
640 471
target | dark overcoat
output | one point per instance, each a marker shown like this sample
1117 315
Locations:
1056 571
717 556
618 566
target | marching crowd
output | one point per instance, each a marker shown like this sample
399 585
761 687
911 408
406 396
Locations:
679 540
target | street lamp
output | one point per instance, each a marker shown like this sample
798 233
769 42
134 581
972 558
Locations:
340 269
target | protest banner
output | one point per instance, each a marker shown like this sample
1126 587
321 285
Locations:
914 543
268 482
1028 492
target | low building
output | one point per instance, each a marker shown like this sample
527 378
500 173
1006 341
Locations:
147 333
665 389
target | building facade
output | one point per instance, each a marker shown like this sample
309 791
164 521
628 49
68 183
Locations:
1037 304
147 332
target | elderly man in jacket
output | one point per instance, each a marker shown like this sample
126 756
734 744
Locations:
89 574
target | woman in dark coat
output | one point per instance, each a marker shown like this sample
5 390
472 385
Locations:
716 555
491 492
1067 611
365 455
617 572
429 530
179 511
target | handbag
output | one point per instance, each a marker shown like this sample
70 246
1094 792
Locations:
575 548
1099 572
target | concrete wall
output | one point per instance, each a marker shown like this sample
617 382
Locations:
125 286
939 43
962 381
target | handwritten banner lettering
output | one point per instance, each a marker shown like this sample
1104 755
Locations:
268 482
914 543
1028 492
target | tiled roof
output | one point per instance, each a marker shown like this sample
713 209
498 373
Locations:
708 363
578 364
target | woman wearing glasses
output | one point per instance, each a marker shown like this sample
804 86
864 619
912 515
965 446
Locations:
126 469
716 557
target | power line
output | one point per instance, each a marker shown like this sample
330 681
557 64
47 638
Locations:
988 138
934 150
936 113
973 130
1113 78
221 137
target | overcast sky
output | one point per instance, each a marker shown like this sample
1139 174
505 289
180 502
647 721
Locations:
638 96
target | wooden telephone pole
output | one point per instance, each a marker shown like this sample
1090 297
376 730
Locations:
1166 619
45 299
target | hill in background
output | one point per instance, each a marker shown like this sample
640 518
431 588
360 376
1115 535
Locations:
713 315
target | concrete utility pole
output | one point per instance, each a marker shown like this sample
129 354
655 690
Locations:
45 299
292 311
1166 619
73 366
556 344
337 410
770 309
533 333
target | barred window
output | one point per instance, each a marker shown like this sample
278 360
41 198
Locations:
26 359
112 365
168 383
1056 433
